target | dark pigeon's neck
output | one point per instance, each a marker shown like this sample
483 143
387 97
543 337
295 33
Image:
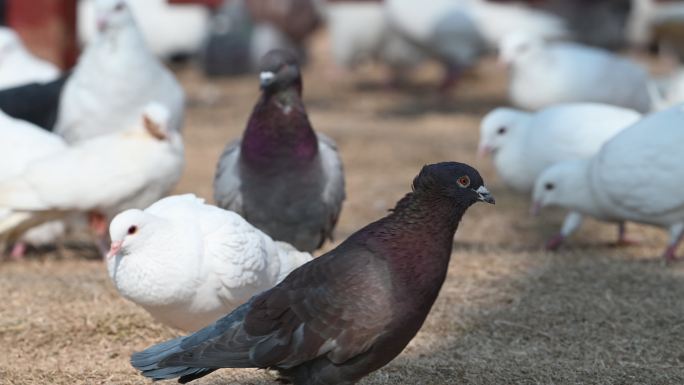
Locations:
279 129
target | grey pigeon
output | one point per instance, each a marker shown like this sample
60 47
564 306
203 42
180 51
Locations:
282 177
347 313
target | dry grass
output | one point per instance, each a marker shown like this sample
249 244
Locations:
509 313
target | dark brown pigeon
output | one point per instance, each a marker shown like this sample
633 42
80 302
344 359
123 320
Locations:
347 313
282 177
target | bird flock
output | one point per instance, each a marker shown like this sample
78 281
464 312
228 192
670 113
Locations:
99 149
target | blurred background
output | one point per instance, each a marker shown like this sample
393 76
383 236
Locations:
397 84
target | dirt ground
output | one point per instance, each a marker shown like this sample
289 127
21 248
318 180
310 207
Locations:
509 312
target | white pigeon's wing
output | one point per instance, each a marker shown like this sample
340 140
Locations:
573 131
227 179
640 172
333 194
21 143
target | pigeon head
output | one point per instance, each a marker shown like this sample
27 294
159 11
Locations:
500 127
454 181
563 184
112 15
517 47
129 230
279 70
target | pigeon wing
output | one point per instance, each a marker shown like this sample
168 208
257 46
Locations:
333 307
227 180
333 194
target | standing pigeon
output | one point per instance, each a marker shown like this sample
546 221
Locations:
443 29
199 262
282 177
114 79
523 144
347 313
22 143
18 66
545 73
637 176
103 175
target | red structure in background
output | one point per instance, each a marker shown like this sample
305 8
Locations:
48 28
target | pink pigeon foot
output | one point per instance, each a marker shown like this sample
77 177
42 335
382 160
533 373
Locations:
18 251
670 256
98 223
555 242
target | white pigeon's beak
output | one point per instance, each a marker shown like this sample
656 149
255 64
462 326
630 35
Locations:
266 78
101 24
535 208
483 150
114 249
483 195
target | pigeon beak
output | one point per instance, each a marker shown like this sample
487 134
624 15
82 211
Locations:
483 150
266 78
535 209
114 249
101 24
483 195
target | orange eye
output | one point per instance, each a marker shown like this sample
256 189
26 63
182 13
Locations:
463 181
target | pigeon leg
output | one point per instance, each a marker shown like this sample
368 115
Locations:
99 224
571 223
451 79
18 251
555 242
623 239
676 233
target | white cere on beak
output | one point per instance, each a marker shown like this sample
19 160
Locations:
266 76
484 195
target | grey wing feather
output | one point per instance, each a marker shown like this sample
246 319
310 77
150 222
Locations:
227 179
333 194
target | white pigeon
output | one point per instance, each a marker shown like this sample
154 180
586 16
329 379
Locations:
158 21
114 79
188 263
497 20
361 32
444 29
107 174
20 144
18 66
637 176
523 144
546 73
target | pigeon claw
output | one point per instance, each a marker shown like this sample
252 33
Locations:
554 243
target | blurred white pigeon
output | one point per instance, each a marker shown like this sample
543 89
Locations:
377 40
115 78
497 20
18 66
107 174
637 176
545 73
443 29
158 21
188 263
20 144
523 144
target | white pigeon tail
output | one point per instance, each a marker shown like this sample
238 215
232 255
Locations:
125 169
637 176
115 78
18 66
188 263
545 73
